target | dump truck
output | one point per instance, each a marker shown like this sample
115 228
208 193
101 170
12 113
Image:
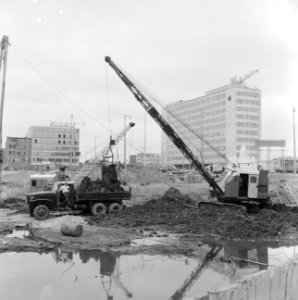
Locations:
100 196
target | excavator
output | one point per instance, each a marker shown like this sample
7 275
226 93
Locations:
103 156
248 188
45 180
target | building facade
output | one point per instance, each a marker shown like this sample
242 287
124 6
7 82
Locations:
228 118
17 154
148 159
57 144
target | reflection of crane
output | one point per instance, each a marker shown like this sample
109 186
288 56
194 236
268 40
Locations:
109 264
243 78
102 156
195 274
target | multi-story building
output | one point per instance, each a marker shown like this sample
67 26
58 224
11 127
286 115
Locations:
17 152
284 164
57 144
148 159
228 118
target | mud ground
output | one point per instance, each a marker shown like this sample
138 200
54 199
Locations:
173 223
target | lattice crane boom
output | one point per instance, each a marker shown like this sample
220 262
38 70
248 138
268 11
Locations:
165 126
243 78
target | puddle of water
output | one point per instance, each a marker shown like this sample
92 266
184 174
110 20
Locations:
92 274
19 233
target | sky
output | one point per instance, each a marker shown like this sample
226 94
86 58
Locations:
177 49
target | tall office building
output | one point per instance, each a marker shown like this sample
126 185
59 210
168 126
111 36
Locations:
57 144
228 118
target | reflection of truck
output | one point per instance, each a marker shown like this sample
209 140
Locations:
98 196
239 187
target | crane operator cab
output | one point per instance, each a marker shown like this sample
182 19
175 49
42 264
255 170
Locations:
246 184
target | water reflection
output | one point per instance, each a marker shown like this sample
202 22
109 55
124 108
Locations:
92 274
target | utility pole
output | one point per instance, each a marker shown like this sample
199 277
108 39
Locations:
124 159
71 148
145 138
3 58
294 140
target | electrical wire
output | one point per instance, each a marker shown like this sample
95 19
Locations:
62 93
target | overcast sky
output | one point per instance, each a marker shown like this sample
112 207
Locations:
176 49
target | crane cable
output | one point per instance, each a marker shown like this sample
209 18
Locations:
61 92
187 126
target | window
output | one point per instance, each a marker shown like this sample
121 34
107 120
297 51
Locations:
253 179
59 136
59 142
35 141
33 182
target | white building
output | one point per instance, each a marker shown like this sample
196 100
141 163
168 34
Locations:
57 144
228 118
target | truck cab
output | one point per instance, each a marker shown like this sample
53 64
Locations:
41 202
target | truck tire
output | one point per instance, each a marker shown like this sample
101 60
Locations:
41 212
98 209
115 207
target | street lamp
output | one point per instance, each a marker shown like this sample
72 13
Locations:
125 116
96 136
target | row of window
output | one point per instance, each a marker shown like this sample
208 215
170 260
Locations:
248 109
248 102
246 140
247 117
247 94
247 132
247 124
56 160
16 153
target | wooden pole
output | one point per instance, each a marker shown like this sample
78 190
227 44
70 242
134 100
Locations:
4 46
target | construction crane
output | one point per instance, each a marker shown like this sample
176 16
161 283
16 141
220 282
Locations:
168 130
246 187
244 78
103 155
196 273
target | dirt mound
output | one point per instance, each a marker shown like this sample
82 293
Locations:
173 212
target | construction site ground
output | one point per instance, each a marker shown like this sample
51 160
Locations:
159 211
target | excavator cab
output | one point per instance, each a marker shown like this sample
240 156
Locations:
110 178
246 184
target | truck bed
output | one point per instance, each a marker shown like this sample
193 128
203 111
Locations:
104 196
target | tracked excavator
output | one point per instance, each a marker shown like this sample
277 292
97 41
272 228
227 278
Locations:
244 187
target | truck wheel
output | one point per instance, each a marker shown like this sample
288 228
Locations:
41 212
115 207
98 209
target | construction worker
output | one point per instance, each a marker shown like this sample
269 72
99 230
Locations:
64 194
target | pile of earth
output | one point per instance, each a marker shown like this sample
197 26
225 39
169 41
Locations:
178 214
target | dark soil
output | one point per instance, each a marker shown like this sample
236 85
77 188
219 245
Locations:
179 215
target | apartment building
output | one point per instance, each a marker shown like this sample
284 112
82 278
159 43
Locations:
228 118
17 152
57 144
